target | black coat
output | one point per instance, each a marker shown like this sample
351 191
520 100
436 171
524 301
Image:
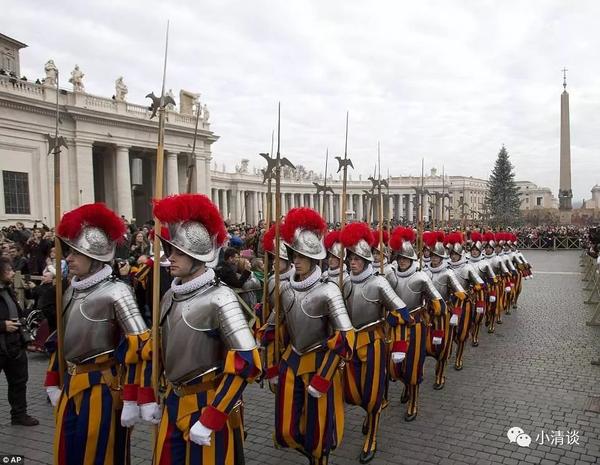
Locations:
10 343
228 274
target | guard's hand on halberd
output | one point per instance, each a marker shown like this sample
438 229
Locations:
130 414
200 434
151 412
454 320
436 341
54 393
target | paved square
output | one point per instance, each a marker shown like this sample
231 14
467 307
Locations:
533 373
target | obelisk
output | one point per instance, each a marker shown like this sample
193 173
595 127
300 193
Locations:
565 194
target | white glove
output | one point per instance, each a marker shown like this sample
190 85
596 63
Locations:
453 320
313 392
492 298
274 380
151 412
130 414
54 393
436 341
397 357
507 289
479 310
200 434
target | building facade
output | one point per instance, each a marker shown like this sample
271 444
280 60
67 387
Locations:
111 157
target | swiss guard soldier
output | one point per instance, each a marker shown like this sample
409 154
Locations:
484 269
378 253
371 302
286 269
469 279
510 283
335 259
103 331
439 344
316 335
418 292
523 267
208 351
494 313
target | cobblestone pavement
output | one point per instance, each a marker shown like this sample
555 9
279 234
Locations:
533 373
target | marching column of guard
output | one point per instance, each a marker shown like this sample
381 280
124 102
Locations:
332 340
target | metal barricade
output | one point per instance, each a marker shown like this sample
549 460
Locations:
591 276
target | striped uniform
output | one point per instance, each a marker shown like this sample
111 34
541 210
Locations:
88 427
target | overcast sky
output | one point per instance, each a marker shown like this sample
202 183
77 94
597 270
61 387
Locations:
450 81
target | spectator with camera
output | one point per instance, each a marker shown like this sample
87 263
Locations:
234 271
13 340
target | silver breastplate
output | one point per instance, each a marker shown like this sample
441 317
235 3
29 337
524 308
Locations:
409 288
95 318
441 281
197 330
364 304
312 315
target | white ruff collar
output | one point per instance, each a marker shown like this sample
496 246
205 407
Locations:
301 285
410 270
194 284
437 269
92 280
336 272
475 259
288 274
364 274
459 263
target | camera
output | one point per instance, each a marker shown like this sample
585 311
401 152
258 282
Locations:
24 332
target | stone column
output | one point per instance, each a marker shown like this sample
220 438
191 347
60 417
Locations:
172 174
124 194
85 172
411 207
255 208
359 210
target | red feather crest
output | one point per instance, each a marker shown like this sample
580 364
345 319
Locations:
191 207
429 238
303 218
268 240
354 232
476 236
331 238
454 238
375 233
440 235
93 214
401 234
488 236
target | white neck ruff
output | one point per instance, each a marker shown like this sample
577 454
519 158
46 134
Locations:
411 269
364 274
458 263
309 281
97 277
335 272
475 259
194 284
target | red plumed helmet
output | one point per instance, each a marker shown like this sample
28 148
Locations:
454 238
440 236
375 242
401 234
192 207
476 236
268 240
302 218
429 238
303 231
93 214
331 238
92 230
488 236
354 232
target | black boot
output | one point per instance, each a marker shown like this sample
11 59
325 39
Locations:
24 420
366 457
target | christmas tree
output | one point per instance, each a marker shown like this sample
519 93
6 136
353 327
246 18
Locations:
502 199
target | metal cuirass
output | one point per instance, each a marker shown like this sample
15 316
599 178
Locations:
368 301
497 265
96 317
335 279
444 280
313 314
197 330
414 288
466 275
483 268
